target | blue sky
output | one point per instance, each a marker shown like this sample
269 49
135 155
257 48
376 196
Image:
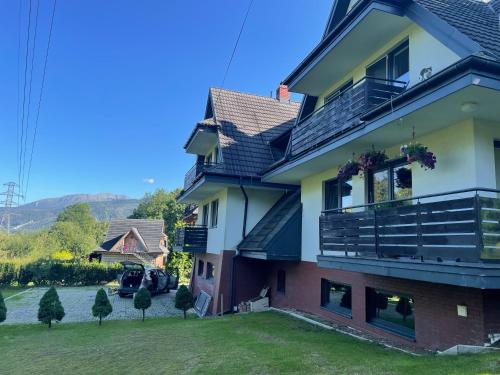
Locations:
127 80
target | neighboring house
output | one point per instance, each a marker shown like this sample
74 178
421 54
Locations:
403 252
136 240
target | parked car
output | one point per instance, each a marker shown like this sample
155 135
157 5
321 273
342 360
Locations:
135 276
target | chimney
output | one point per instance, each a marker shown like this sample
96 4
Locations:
282 93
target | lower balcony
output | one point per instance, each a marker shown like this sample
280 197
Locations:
451 238
192 239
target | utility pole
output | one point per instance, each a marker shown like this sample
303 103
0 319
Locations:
8 203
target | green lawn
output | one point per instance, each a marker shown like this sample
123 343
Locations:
266 343
9 291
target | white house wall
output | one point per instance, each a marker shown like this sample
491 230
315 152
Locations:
465 159
425 51
229 231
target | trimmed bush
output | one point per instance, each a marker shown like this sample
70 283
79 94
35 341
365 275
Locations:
183 299
50 307
102 307
3 309
50 272
142 301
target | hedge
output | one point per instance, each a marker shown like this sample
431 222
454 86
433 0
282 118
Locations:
58 273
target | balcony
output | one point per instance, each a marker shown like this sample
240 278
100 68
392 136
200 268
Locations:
192 239
342 112
198 170
452 238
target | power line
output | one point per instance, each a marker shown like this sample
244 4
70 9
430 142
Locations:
234 49
18 75
40 96
33 50
24 96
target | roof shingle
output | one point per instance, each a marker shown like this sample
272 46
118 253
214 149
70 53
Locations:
151 232
247 124
476 19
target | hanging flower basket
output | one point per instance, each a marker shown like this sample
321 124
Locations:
348 170
419 153
372 160
403 178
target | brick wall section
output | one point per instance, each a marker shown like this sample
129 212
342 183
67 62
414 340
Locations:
437 325
220 284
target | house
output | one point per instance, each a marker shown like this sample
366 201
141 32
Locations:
136 240
378 208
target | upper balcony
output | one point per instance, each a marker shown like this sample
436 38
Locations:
199 169
342 112
192 239
451 238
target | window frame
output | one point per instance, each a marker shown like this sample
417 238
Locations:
389 60
202 268
384 324
339 310
281 281
214 213
205 214
339 192
210 274
390 166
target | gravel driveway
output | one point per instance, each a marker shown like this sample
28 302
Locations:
77 303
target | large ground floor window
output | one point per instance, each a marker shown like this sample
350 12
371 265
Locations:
336 297
391 311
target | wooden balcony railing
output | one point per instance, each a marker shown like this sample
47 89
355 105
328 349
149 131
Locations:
342 112
464 229
191 239
199 169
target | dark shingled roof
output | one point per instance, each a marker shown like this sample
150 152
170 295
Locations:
151 232
247 124
476 19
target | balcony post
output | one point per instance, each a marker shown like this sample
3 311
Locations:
419 227
375 232
478 222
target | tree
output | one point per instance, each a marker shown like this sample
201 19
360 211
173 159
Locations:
163 205
3 309
183 299
404 307
102 307
142 301
50 307
72 237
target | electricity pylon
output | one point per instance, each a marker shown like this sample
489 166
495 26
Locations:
8 203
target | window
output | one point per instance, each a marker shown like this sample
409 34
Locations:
391 311
281 281
390 183
378 69
395 65
210 271
201 267
336 297
337 194
335 94
216 155
214 213
204 217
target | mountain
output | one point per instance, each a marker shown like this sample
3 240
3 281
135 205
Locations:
41 214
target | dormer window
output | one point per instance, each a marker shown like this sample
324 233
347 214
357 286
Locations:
393 66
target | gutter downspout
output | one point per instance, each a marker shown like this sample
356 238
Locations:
244 234
245 212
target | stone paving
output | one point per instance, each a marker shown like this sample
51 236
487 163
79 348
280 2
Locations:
77 303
